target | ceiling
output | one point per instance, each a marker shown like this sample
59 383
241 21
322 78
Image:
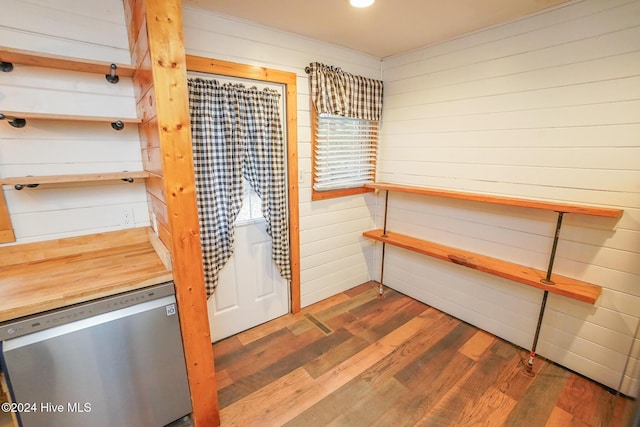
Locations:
387 28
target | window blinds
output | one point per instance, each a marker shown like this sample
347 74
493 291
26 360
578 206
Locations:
345 152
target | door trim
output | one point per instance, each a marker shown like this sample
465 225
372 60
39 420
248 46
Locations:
289 80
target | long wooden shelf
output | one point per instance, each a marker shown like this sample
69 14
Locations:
59 62
58 179
564 286
501 200
70 117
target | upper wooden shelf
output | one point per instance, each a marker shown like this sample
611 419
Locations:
48 116
501 200
564 286
57 179
38 59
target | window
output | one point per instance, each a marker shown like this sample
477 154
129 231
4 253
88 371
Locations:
251 210
345 113
344 155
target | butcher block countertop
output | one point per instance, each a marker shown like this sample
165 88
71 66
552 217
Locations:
43 276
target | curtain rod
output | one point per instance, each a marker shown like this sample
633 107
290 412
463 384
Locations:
329 67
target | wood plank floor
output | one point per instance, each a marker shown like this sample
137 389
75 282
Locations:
358 360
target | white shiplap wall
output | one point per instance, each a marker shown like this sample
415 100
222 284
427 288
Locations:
547 107
334 256
89 30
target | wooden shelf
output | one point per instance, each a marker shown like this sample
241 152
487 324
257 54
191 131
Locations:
564 286
17 119
57 179
48 116
501 200
38 59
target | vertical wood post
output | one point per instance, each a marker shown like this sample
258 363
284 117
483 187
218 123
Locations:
161 83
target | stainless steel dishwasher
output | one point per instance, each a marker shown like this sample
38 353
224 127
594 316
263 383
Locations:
116 361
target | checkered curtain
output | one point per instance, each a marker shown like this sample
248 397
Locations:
336 92
236 132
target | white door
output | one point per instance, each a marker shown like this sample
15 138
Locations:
250 289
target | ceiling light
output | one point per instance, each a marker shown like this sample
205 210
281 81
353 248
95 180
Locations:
361 3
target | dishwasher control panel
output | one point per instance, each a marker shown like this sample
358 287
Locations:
49 319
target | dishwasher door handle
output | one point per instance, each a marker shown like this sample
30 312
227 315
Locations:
56 331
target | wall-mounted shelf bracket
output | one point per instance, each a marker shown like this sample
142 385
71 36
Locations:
6 67
21 186
16 122
112 77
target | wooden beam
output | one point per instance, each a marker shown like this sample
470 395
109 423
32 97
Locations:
501 200
571 288
232 69
168 66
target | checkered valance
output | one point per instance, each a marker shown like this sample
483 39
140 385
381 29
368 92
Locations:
237 132
336 92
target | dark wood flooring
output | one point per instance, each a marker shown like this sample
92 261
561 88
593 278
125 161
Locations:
359 360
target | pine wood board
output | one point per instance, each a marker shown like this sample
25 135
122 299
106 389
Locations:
58 179
71 117
69 246
565 286
501 200
39 59
36 286
169 96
